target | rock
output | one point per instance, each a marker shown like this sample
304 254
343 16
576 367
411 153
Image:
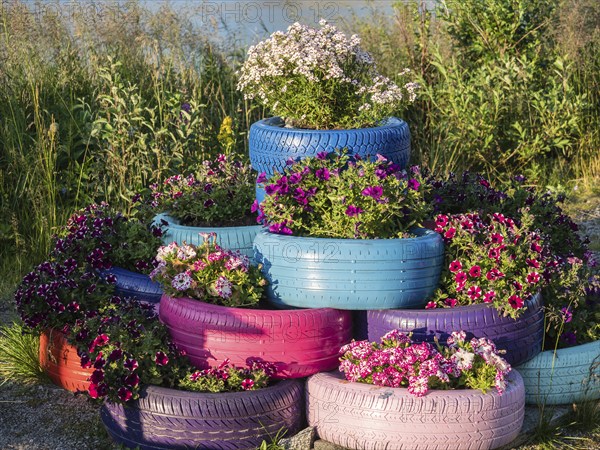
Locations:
325 445
301 441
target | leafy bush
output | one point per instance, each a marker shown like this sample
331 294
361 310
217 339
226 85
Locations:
219 193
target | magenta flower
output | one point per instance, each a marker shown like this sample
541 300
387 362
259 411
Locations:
497 238
97 390
132 380
474 292
489 296
515 301
494 253
450 233
323 174
475 272
130 364
533 263
430 305
455 266
161 359
441 220
373 191
413 184
567 314
262 177
280 228
124 394
247 384
97 376
353 211
460 277
533 277
451 302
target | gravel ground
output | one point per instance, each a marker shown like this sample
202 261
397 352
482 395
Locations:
44 417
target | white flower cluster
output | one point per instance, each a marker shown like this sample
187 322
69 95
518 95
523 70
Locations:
277 70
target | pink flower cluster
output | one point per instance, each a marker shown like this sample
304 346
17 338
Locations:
399 362
489 260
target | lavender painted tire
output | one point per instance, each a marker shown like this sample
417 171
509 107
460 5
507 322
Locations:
231 238
366 417
300 342
521 338
271 145
132 284
571 375
171 419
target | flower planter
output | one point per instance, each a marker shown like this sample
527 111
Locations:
299 342
171 419
366 417
521 338
570 375
356 274
272 145
60 361
132 284
232 238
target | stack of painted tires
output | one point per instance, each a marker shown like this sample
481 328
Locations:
301 342
387 283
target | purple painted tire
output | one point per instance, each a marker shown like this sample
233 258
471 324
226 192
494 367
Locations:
301 342
132 284
521 338
171 419
366 417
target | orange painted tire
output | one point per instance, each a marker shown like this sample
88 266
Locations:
60 361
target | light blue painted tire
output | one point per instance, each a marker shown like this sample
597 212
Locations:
354 274
232 238
570 375
271 145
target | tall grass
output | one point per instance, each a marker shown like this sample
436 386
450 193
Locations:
19 355
96 103
509 86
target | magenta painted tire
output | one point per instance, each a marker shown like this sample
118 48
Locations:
171 419
301 342
366 417
521 338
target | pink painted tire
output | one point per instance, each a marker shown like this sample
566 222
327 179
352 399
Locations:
301 342
366 417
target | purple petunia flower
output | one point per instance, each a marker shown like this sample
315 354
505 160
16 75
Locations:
413 184
567 314
323 174
322 156
353 211
130 364
161 359
124 394
373 191
262 177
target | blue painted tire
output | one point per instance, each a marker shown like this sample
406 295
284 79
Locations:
165 418
132 284
570 375
521 338
272 145
232 238
354 274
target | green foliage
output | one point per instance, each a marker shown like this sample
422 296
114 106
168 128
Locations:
508 86
19 354
94 107
333 196
217 193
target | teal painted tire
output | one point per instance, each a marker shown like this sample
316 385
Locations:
570 375
231 238
352 274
